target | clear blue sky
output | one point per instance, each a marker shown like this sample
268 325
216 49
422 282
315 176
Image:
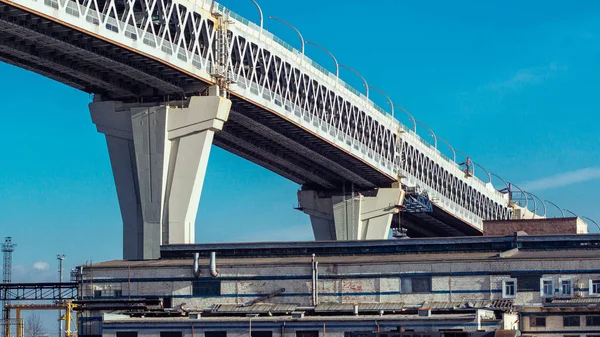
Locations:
512 83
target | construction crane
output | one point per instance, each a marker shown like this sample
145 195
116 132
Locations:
7 249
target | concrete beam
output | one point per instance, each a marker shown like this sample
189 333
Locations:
352 217
159 155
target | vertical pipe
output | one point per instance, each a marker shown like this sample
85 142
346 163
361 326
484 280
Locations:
314 281
213 264
196 264
128 281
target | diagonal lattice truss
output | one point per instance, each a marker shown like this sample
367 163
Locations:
262 69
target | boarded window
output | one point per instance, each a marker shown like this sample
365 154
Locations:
211 287
413 285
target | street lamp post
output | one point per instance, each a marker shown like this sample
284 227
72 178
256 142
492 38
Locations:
566 210
60 258
562 214
361 77
259 13
292 27
386 96
594 222
413 120
337 66
430 130
450 146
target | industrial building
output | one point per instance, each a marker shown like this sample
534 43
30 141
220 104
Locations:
542 285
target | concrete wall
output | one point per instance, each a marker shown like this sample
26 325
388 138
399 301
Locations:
535 226
341 283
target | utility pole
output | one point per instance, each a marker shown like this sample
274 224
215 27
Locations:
60 258
7 249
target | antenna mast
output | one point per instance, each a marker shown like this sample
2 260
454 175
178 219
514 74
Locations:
7 249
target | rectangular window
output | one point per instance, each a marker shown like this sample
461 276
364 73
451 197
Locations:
595 287
566 287
570 335
210 287
118 293
571 321
126 333
170 334
546 287
592 320
97 293
509 288
415 285
309 333
529 282
215 333
256 333
537 321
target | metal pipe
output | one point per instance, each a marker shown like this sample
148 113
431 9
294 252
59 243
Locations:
562 214
317 282
409 116
260 13
361 77
314 281
594 222
213 265
196 264
451 148
432 134
294 28
386 96
337 65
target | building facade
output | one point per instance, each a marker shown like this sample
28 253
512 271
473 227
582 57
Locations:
532 285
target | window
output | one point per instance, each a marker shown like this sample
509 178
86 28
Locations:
311 333
170 334
529 282
118 293
566 287
413 285
255 333
595 287
537 321
206 288
509 288
570 335
592 320
571 321
97 293
215 333
546 287
126 333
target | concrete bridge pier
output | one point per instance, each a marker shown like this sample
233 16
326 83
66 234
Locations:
159 154
357 216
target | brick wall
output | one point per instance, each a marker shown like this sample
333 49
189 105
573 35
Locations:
535 226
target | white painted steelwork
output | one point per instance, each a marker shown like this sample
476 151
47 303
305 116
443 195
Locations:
266 71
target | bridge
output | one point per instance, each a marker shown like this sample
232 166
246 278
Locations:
172 77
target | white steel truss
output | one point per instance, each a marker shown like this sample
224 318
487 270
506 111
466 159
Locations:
266 71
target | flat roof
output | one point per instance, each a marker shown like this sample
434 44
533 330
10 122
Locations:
385 247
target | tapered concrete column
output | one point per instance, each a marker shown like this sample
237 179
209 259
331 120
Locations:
356 217
162 169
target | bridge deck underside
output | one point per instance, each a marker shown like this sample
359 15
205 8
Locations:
96 66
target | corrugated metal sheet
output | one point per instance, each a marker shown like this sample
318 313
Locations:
362 307
256 308
479 304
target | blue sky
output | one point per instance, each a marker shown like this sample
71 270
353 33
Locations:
512 83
